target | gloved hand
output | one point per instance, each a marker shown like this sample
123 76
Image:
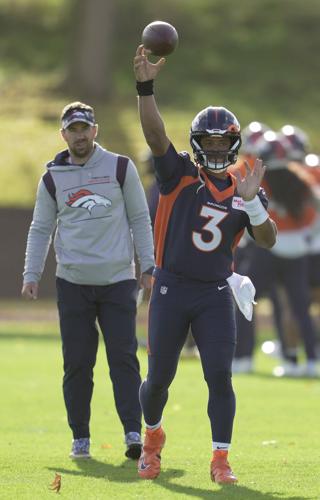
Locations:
243 292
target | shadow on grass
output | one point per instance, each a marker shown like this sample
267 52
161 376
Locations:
127 473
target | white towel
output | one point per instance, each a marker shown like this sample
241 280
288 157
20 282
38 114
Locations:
243 291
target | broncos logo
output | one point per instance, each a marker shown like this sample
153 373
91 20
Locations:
86 199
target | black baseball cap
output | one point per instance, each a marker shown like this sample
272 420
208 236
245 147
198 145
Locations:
78 115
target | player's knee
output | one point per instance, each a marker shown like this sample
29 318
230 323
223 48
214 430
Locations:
221 382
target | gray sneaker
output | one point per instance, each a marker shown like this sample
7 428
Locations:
80 448
134 445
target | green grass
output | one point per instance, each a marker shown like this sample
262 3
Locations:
275 449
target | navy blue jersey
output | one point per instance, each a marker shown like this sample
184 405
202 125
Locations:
199 219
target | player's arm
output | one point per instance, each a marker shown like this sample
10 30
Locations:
150 118
264 229
265 233
39 239
139 222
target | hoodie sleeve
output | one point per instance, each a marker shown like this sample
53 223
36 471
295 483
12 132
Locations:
39 236
138 217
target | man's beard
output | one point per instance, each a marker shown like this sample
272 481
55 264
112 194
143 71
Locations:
82 150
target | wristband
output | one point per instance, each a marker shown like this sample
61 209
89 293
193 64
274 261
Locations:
256 211
145 88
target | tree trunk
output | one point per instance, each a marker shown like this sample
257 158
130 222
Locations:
90 74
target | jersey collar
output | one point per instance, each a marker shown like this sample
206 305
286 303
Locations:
219 195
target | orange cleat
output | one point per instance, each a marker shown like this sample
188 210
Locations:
220 469
150 461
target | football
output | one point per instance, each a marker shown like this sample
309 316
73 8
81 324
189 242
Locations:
160 37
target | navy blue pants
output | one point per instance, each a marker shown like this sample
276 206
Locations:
176 303
114 307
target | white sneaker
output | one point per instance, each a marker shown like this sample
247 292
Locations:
287 370
242 365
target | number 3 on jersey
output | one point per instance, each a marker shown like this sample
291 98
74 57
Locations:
215 217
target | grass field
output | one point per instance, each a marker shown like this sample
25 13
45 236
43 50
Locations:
275 449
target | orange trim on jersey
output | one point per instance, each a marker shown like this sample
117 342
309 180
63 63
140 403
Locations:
220 195
164 211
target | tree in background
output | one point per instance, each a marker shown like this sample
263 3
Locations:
89 71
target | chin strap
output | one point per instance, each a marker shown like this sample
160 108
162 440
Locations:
243 291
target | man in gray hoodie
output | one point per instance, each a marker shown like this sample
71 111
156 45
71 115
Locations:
96 202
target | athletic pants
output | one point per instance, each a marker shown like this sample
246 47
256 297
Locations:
114 307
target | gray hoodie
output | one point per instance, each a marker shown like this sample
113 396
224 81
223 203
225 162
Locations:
98 222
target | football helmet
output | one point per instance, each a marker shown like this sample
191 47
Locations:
251 134
215 122
273 150
298 140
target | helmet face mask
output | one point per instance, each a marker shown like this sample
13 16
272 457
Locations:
215 122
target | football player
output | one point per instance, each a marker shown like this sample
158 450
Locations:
202 213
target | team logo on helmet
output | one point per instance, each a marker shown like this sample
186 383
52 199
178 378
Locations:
86 199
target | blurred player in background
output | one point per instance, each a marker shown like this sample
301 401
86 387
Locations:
202 213
256 262
293 207
249 260
301 157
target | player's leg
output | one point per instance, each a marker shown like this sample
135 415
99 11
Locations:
167 330
288 334
252 261
314 281
295 279
168 327
215 332
117 320
79 335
